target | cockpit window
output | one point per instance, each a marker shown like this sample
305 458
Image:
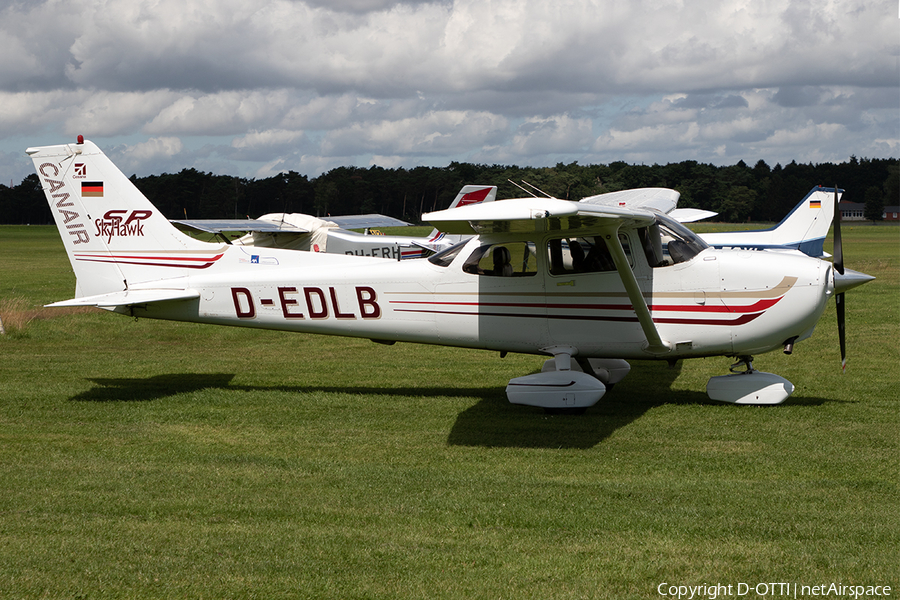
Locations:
583 255
445 257
668 243
510 259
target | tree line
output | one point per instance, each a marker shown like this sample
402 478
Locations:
738 192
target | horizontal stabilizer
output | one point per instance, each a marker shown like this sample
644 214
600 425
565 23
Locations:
691 215
431 247
128 298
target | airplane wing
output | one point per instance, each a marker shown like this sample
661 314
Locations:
367 221
532 214
128 298
662 199
220 225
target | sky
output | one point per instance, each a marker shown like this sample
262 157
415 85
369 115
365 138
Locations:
254 88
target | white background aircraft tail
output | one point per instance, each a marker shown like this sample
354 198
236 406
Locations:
804 228
469 194
113 235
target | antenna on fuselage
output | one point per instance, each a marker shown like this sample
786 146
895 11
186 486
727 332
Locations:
529 191
537 189
521 188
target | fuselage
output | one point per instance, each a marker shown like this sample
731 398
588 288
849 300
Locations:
717 302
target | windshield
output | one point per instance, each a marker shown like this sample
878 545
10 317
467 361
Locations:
445 257
668 242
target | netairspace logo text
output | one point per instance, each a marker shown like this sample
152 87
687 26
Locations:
771 590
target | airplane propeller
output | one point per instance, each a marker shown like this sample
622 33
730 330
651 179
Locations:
839 269
844 279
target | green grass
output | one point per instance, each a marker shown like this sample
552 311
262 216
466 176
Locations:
143 459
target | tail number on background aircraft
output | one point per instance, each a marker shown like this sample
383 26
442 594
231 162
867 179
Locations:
382 252
318 303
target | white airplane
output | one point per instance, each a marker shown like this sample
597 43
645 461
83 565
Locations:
297 231
590 284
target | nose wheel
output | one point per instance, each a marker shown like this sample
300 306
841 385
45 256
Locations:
746 385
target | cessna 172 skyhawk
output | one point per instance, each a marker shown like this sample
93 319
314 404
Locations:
297 231
589 284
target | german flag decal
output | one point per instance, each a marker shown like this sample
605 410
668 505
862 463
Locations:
91 189
815 204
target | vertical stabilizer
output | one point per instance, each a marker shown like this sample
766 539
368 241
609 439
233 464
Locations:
804 228
113 235
469 194
807 225
474 194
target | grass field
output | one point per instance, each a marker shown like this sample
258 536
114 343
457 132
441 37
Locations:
143 459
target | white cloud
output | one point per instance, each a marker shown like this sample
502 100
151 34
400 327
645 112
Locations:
560 134
255 139
247 86
669 137
134 158
154 147
222 113
115 113
436 132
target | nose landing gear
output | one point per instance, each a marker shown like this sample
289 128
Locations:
746 385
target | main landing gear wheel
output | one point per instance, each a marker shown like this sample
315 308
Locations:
565 385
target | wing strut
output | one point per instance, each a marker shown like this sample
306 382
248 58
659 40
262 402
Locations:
655 344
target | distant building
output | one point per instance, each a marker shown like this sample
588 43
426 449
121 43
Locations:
852 211
855 211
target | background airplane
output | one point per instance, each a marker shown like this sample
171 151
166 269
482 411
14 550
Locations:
297 231
591 284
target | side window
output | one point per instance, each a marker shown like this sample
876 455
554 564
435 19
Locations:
583 255
511 259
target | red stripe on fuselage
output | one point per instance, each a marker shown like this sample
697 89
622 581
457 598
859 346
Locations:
185 262
748 313
759 306
741 320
